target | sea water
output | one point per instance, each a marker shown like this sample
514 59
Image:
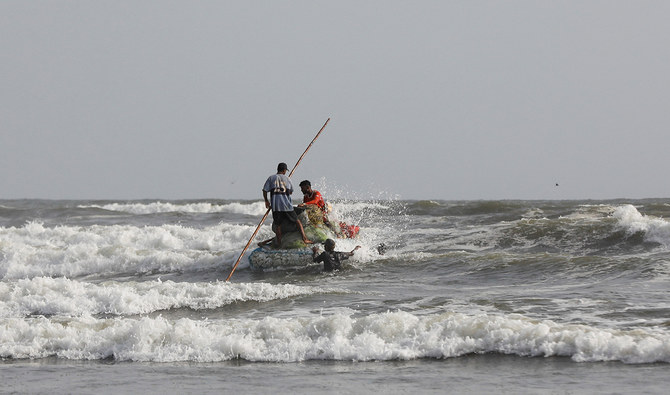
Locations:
474 296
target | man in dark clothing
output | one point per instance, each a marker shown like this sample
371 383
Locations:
332 260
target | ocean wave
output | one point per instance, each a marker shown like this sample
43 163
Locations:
656 230
348 208
341 336
591 229
495 208
256 208
66 297
36 250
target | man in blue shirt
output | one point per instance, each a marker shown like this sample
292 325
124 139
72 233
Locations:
283 214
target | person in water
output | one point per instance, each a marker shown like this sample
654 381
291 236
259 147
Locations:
332 260
283 214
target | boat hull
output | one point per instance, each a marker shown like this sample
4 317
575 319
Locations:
266 258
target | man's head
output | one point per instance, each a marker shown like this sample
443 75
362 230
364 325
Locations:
306 187
281 168
329 245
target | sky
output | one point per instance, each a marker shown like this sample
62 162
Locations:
434 100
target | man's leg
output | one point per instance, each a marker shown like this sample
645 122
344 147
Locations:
278 233
302 232
277 218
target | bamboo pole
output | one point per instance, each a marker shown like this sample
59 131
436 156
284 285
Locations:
268 211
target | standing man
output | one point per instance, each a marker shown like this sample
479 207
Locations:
283 215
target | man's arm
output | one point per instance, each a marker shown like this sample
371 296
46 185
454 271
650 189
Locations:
265 197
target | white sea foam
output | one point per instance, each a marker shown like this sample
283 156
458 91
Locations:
386 336
256 208
36 250
345 208
348 211
655 230
66 297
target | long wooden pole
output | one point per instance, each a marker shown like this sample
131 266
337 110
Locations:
268 211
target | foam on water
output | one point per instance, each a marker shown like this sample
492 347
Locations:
585 230
66 297
387 336
256 208
35 250
357 207
508 278
655 230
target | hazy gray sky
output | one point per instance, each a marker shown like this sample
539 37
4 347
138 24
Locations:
428 99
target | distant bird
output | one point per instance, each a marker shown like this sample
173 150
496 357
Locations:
556 184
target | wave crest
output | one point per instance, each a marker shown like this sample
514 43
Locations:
256 208
380 337
632 222
65 297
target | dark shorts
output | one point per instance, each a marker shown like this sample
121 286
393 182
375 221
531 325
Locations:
286 219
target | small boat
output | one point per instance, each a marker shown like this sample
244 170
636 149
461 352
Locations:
293 252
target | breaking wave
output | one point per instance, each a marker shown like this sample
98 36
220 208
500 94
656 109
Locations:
375 337
65 297
632 222
255 208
